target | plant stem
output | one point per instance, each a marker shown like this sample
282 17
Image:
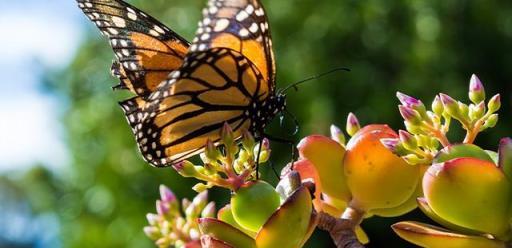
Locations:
342 229
439 135
472 132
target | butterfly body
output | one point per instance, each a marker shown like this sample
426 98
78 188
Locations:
185 92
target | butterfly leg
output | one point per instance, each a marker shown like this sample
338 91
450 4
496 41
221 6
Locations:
291 143
258 160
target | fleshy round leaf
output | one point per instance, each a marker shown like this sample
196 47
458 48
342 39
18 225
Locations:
405 207
425 208
377 178
253 203
290 225
462 151
327 157
226 215
225 232
469 192
430 236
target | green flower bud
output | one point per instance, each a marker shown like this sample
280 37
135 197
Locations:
477 111
352 124
451 107
476 90
412 128
408 141
248 141
211 152
412 159
463 110
265 151
185 203
410 115
200 187
227 135
209 210
412 102
152 219
163 242
186 169
394 145
491 121
494 104
437 106
152 232
200 200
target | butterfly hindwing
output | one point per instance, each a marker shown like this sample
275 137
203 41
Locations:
146 50
213 87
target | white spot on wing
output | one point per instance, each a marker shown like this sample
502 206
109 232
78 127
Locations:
119 22
242 15
221 25
253 28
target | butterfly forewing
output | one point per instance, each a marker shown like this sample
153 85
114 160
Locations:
146 50
242 26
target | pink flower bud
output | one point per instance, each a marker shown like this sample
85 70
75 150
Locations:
166 194
152 219
450 105
476 90
495 103
408 140
390 143
409 114
352 124
162 208
337 135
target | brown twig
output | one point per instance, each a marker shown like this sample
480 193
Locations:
341 230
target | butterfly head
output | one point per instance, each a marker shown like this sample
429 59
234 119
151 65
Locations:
279 103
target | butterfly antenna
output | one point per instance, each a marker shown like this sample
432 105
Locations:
294 85
295 121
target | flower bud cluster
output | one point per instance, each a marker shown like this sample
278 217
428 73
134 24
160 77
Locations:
228 163
171 226
427 129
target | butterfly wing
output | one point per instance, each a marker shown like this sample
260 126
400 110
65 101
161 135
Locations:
228 72
241 25
145 49
213 87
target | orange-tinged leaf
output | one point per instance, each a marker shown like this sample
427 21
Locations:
425 208
430 236
471 193
327 157
307 171
377 178
290 224
210 242
225 232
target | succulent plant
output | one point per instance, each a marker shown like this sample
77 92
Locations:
361 178
466 189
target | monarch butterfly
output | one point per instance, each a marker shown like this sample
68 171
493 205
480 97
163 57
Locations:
184 93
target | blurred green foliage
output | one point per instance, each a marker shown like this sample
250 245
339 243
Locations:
417 47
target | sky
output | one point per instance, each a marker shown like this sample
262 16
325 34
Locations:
37 34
